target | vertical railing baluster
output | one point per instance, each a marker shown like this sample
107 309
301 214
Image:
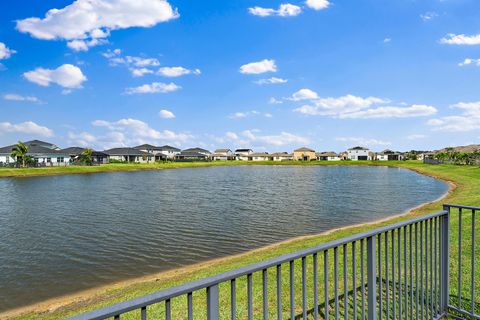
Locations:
421 272
416 271
335 277
399 255
249 296
265 293
444 257
233 299
292 289
190 306
387 278
304 287
325 282
459 289
362 274
345 284
426 269
315 286
354 278
472 293
168 311
212 302
410 230
372 279
143 313
431 266
380 277
394 284
405 270
279 292
435 235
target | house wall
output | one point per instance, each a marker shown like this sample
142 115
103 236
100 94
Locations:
354 154
382 157
170 154
298 155
333 159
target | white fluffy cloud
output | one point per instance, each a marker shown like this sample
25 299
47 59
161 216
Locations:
128 132
273 100
350 106
177 71
272 80
138 66
368 142
284 10
166 114
5 52
27 127
154 87
468 120
67 76
86 23
461 39
18 97
469 61
317 4
428 16
244 114
266 65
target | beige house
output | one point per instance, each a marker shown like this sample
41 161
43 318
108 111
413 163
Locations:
281 156
328 156
304 154
259 157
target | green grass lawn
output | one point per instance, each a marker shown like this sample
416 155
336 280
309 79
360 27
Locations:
467 192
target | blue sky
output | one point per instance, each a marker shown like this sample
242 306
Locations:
262 74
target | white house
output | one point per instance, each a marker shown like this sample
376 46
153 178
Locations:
328 156
169 152
359 153
223 155
259 157
389 155
160 153
281 156
129 155
243 154
40 152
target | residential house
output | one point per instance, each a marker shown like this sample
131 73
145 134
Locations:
281 156
191 156
304 154
41 154
223 155
260 157
153 150
388 155
359 153
243 154
169 152
328 156
76 152
198 150
129 155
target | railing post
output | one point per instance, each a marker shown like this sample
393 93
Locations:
444 259
372 278
212 302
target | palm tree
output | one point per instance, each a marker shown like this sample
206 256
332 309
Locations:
86 157
19 151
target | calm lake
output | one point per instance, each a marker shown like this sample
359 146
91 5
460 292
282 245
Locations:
62 234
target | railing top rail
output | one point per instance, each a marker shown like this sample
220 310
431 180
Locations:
192 286
459 206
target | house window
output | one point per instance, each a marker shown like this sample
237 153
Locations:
60 159
49 160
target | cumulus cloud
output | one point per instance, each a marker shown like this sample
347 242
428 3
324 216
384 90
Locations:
461 39
67 76
27 127
467 120
154 87
354 107
317 4
428 16
18 97
244 114
266 65
5 52
138 66
177 71
469 61
273 100
368 142
86 23
128 132
165 114
284 10
82 139
272 80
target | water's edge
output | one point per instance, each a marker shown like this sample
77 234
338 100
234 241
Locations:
86 296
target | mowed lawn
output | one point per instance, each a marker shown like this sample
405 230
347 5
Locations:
467 192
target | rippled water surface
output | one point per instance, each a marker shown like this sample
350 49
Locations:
62 234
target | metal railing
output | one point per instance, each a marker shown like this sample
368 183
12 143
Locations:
397 271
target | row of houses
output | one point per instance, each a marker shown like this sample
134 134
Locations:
47 154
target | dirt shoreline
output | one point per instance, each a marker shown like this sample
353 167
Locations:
89 296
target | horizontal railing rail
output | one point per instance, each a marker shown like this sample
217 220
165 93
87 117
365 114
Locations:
395 270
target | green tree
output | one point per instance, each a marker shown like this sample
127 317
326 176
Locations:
86 157
19 152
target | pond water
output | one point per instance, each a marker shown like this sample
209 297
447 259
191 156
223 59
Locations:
62 234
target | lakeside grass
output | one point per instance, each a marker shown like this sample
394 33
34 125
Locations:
467 192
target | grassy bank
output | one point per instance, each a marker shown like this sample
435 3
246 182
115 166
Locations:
467 191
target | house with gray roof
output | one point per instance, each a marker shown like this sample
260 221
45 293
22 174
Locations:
129 155
223 155
41 154
243 154
76 152
191 156
198 150
359 153
281 156
328 156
